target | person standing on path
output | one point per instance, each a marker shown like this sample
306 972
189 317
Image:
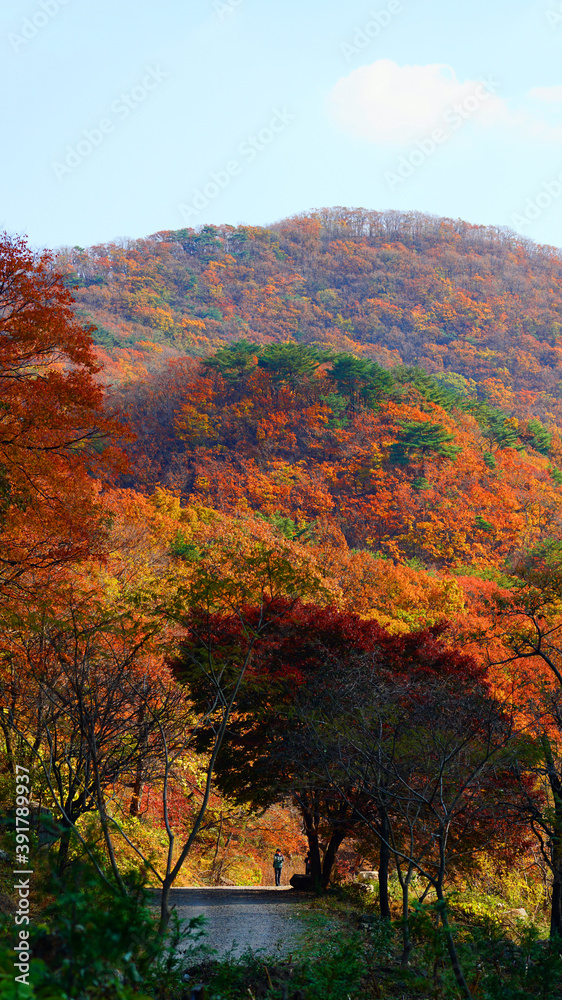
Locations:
278 860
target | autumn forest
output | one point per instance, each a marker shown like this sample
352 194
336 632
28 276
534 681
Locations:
281 564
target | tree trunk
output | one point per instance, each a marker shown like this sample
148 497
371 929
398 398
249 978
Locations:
406 939
9 756
311 831
384 864
64 847
556 903
453 955
321 869
165 911
134 806
330 855
555 783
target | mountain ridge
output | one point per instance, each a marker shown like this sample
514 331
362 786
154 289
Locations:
400 288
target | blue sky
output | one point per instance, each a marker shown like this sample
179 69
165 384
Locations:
125 117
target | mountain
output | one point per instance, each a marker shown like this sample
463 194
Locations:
456 299
396 376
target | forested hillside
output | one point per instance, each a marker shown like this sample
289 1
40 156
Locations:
323 409
400 289
281 560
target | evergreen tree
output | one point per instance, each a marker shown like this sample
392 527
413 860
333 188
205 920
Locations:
420 438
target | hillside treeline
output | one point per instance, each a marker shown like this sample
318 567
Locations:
400 464
409 289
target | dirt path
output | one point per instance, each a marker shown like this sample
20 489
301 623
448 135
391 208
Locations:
245 917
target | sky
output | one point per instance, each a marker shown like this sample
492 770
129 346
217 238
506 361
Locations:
122 118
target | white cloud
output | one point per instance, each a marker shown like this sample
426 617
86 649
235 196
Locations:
388 103
546 93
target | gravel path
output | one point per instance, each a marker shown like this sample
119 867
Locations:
245 917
